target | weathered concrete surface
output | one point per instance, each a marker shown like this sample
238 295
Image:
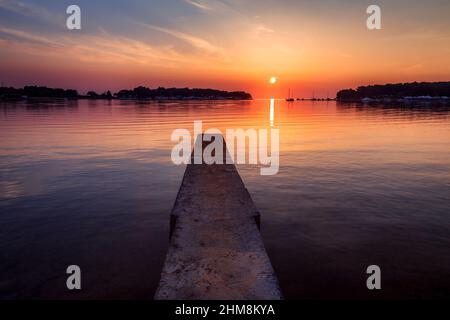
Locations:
216 250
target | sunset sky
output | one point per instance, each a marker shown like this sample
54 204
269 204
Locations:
225 44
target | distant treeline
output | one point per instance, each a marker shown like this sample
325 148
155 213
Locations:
38 92
181 93
398 90
136 93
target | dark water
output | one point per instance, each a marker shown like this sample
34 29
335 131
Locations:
92 184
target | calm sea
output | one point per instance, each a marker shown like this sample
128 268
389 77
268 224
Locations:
91 183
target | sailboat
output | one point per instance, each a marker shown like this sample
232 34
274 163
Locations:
289 98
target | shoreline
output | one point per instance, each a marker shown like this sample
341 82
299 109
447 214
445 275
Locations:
118 99
406 100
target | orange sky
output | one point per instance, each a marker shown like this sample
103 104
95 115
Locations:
231 45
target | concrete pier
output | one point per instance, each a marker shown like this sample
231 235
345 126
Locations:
216 250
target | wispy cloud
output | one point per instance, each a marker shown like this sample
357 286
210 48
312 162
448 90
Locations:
103 48
420 34
32 10
194 41
263 31
198 4
19 34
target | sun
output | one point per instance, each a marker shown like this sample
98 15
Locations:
273 80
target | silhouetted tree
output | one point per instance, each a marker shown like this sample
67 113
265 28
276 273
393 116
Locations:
92 94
